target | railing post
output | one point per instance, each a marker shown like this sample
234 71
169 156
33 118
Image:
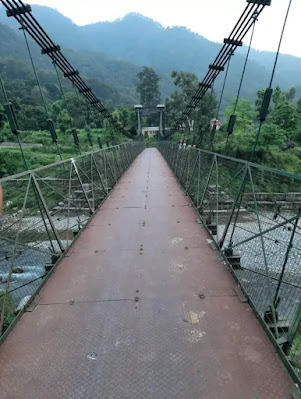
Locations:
81 185
193 170
238 200
108 164
46 210
105 189
92 180
207 183
289 247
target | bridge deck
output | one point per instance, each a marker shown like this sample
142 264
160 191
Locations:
141 307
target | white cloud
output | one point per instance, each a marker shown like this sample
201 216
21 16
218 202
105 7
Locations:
213 19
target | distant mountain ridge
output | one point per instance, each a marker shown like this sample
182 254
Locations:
137 40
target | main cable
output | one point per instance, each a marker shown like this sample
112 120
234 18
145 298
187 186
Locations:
269 91
240 30
23 15
54 136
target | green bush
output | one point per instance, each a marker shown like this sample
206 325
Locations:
9 314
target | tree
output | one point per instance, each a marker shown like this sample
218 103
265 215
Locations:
36 94
148 87
245 114
278 96
290 95
242 140
64 121
187 84
259 100
298 108
284 113
271 138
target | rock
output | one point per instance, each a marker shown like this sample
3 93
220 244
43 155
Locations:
18 270
23 303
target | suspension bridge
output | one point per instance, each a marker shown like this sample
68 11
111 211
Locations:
168 272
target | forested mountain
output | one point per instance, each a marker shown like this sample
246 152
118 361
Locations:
110 56
111 79
114 51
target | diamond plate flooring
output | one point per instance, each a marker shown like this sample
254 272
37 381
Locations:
141 307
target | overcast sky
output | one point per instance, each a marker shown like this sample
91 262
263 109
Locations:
213 19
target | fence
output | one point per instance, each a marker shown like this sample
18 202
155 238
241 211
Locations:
43 211
253 214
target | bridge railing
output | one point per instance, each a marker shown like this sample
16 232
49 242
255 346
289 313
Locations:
43 211
253 215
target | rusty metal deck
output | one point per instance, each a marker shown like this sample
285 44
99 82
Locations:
142 308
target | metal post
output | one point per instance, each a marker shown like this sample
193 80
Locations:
289 247
100 178
207 182
236 201
193 170
81 185
43 202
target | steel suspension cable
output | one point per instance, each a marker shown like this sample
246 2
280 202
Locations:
40 88
16 133
269 91
240 30
84 116
220 102
245 65
23 14
233 116
66 105
226 50
280 42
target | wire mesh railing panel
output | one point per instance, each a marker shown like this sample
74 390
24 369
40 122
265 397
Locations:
253 215
43 211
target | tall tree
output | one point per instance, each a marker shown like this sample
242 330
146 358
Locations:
245 114
148 87
284 113
187 84
290 95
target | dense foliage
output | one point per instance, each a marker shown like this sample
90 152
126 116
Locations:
186 84
279 143
148 87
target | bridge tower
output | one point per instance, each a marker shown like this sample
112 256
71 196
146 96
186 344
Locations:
161 109
138 110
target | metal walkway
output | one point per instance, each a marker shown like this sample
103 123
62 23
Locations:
141 307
